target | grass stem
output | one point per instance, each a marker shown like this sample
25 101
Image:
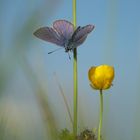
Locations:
75 79
64 98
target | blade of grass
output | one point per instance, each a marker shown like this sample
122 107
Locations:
41 98
64 98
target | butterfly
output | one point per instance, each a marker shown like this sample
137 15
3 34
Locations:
64 34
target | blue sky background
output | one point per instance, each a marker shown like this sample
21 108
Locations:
114 41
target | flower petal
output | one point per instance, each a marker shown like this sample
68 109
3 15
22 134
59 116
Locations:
101 77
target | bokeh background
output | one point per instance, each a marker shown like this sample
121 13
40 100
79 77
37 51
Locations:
31 102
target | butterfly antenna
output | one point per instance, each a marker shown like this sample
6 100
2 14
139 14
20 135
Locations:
54 50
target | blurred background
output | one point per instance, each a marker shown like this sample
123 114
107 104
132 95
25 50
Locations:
31 102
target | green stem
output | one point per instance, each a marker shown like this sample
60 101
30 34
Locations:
101 115
75 80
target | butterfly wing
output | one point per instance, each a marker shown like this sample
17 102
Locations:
80 34
64 28
50 35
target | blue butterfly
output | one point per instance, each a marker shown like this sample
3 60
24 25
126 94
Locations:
64 35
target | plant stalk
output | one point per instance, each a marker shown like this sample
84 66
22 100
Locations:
101 115
75 79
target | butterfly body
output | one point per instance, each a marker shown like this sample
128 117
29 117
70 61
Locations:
63 34
69 47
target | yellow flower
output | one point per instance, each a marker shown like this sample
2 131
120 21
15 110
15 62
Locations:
101 77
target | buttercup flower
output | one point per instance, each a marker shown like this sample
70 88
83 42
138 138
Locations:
101 77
